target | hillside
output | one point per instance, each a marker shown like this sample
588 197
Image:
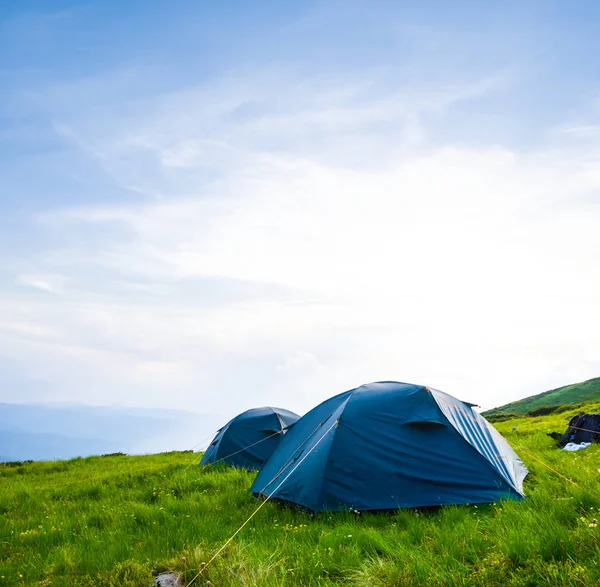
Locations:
117 520
576 393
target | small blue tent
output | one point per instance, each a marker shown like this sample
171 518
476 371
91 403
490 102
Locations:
247 441
389 445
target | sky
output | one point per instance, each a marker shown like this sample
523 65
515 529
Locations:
214 206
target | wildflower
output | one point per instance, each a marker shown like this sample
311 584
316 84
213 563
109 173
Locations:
349 536
594 523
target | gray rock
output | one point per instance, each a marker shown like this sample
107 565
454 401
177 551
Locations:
166 580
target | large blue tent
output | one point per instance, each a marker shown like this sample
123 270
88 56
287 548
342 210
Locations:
248 440
388 445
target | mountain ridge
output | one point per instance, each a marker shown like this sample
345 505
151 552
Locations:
574 393
47 432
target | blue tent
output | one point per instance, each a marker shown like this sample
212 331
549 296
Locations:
247 441
389 445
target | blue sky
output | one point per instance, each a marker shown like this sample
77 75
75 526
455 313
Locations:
226 204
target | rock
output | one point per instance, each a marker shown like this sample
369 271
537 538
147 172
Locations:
166 580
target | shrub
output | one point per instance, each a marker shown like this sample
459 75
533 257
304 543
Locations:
542 410
11 464
501 417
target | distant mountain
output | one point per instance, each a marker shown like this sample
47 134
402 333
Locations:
20 446
46 431
575 393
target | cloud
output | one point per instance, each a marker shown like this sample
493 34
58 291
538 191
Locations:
49 283
318 216
299 362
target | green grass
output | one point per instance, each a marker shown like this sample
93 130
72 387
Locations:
114 521
576 393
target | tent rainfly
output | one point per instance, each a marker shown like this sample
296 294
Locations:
391 445
247 441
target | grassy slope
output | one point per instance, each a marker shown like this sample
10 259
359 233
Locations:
112 521
576 393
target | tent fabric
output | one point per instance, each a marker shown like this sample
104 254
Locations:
247 440
389 445
582 428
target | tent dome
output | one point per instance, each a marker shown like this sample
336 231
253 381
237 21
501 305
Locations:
388 445
247 441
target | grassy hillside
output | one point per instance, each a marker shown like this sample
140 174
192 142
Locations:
576 393
114 521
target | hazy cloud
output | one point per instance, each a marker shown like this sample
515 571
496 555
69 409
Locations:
290 234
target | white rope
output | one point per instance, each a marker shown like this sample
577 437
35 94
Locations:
195 447
233 453
245 448
291 457
261 505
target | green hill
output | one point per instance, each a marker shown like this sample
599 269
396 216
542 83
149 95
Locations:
118 520
576 393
